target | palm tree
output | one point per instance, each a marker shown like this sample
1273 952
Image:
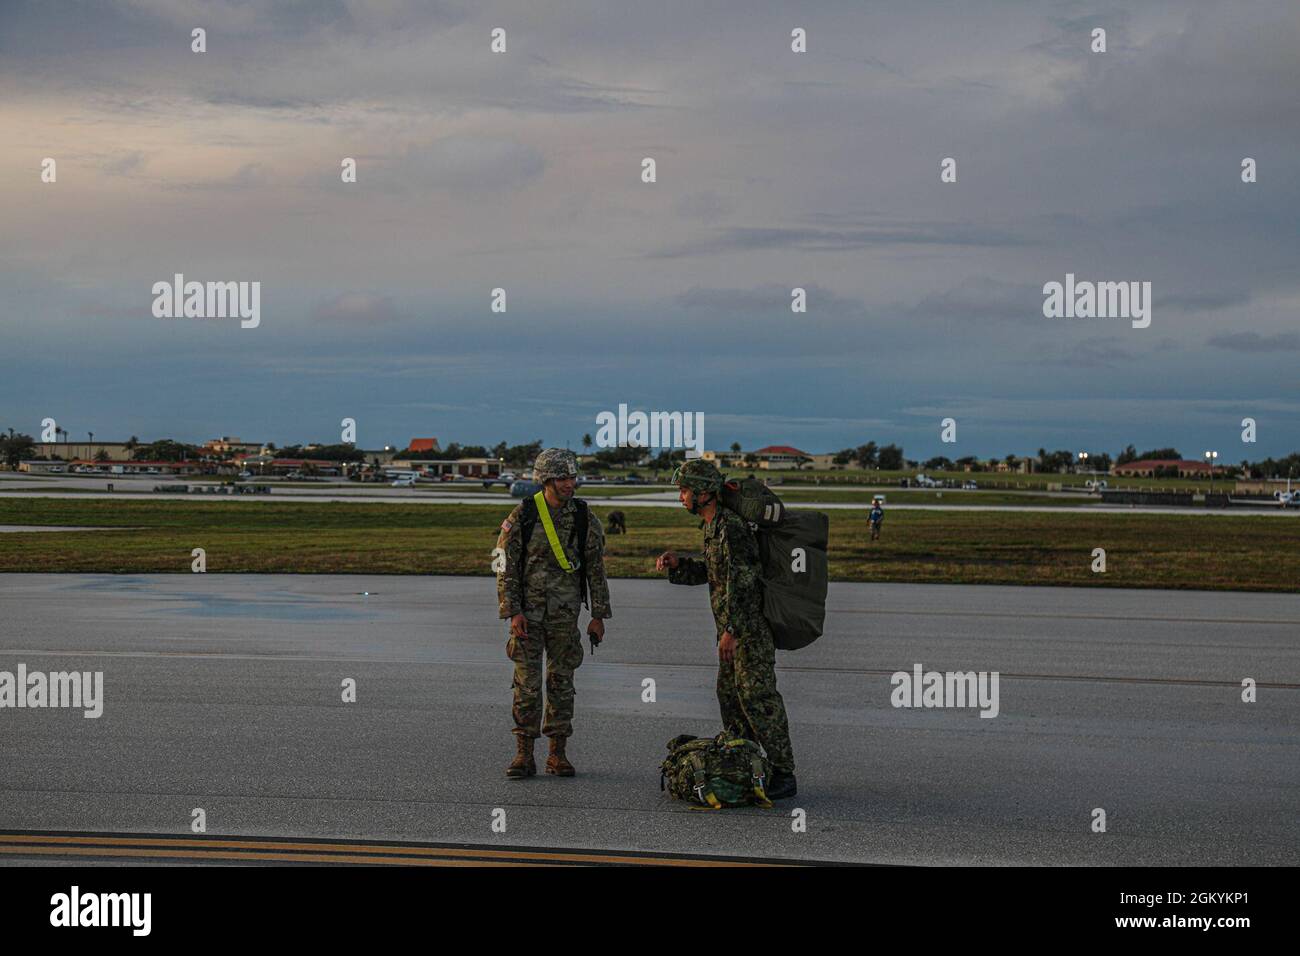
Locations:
587 442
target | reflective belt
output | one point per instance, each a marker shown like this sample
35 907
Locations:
544 511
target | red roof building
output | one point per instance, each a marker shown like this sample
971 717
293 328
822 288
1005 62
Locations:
423 444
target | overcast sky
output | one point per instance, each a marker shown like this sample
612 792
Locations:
775 170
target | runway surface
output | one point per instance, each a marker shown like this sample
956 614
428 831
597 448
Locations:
138 489
223 693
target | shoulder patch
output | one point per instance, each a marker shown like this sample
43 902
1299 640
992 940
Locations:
506 525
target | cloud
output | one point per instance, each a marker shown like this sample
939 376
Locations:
812 239
1203 302
356 308
707 206
766 299
1254 342
477 162
982 297
1095 353
1239 73
123 164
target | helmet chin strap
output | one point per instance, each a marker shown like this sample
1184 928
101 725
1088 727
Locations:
695 501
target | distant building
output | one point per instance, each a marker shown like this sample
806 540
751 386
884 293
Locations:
1016 466
773 457
724 459
466 467
89 466
228 445
1147 468
429 445
269 466
67 450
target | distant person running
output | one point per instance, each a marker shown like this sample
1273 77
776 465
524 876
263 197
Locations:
877 518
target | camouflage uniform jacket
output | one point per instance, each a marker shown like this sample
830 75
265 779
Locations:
733 570
547 592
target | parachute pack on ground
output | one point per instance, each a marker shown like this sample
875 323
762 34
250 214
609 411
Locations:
715 772
792 546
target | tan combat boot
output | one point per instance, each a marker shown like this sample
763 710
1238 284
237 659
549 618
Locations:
523 765
557 763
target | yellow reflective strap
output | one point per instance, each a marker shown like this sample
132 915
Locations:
544 512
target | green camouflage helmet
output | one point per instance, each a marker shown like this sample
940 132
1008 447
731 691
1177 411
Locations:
698 475
555 463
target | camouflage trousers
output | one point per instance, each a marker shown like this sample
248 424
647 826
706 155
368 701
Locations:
563 646
751 705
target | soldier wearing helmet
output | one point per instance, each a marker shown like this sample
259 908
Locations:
547 573
751 705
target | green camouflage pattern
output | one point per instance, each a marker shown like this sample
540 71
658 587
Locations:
734 771
698 475
750 703
555 463
551 602
564 654
733 570
546 590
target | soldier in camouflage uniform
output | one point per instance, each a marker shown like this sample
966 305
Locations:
751 705
543 606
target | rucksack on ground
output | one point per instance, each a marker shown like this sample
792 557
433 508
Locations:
711 773
792 546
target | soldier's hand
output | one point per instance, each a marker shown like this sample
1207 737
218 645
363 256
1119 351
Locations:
727 647
667 560
519 627
596 626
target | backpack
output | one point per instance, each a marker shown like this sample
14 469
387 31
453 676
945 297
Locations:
528 518
715 772
794 584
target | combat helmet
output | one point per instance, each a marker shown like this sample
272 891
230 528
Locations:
555 463
698 475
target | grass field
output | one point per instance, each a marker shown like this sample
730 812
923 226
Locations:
1155 551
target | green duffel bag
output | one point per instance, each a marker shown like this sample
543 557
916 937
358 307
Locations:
711 773
753 501
792 547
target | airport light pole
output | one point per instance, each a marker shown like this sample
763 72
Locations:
1209 460
1083 459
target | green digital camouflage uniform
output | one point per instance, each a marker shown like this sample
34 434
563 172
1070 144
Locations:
751 705
550 601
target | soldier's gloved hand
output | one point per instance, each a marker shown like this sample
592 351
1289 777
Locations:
666 560
727 647
519 627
